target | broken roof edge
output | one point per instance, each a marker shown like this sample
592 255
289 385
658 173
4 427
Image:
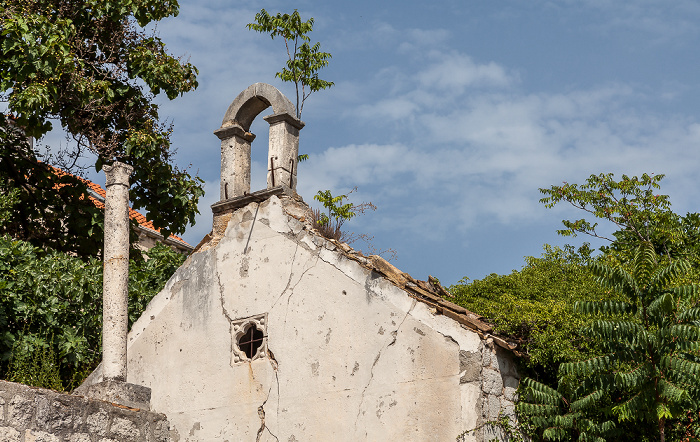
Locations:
428 292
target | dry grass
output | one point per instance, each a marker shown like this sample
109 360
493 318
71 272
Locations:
332 230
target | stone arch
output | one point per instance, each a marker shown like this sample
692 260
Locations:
236 141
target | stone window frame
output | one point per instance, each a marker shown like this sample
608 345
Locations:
238 328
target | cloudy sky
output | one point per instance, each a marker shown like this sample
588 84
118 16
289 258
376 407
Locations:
449 115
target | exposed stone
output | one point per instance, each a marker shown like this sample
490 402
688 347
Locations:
493 407
2 410
97 423
9 434
469 366
53 416
161 431
122 393
510 386
509 393
116 271
40 436
125 429
488 356
39 415
20 411
508 409
492 383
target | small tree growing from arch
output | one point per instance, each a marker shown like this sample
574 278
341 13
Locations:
304 59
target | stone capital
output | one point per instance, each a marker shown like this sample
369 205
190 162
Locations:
117 173
277 118
229 130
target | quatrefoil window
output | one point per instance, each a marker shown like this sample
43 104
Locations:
249 338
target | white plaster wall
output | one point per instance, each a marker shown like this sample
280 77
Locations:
352 356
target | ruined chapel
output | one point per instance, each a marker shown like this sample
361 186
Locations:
271 332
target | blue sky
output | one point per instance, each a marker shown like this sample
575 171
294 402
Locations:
450 115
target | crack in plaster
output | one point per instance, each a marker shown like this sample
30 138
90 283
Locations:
394 334
291 274
291 292
261 408
226 314
338 268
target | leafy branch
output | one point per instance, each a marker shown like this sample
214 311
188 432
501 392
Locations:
304 59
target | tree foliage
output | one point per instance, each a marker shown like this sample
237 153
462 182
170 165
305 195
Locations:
50 301
631 204
650 361
534 306
90 65
304 59
642 383
48 208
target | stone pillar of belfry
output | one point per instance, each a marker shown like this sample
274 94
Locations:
283 151
235 161
115 315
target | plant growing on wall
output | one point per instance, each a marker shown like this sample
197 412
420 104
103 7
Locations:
304 59
330 222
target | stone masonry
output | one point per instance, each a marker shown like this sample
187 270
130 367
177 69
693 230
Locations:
493 372
30 414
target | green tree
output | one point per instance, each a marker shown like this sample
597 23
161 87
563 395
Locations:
93 67
48 208
648 338
304 60
51 302
533 306
632 205
651 346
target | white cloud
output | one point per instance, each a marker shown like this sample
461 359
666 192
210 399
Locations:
453 72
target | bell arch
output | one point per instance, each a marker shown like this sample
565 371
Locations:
236 140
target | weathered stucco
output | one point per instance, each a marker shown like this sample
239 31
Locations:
351 356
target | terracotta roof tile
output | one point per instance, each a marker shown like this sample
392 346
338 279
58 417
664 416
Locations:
133 214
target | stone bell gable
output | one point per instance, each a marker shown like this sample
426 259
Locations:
236 141
271 332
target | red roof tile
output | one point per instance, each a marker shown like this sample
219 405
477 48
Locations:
133 214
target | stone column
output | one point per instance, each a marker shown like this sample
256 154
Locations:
283 151
235 161
115 316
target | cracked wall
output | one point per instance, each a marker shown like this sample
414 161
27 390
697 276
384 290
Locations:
350 356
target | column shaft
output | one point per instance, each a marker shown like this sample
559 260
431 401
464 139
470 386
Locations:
115 316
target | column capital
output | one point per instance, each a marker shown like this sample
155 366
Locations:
284 116
229 130
117 173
